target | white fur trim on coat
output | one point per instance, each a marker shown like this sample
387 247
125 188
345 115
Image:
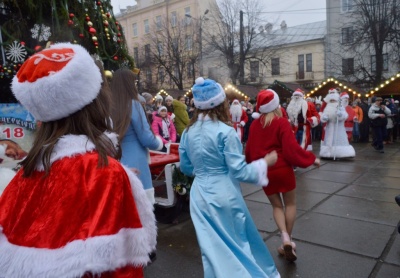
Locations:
262 169
314 122
63 93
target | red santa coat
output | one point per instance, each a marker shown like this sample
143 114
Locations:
239 123
279 137
349 123
311 119
79 219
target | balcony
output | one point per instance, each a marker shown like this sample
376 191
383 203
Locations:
306 76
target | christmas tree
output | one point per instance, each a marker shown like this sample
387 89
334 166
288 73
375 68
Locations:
28 26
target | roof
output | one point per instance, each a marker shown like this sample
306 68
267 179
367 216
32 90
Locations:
290 35
285 90
323 88
387 88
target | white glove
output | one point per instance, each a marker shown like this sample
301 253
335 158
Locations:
325 118
339 113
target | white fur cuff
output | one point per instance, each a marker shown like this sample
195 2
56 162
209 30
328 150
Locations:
262 169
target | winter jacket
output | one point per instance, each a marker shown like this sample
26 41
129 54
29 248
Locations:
157 127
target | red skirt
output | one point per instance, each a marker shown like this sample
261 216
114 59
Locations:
281 180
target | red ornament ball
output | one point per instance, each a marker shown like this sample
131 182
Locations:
22 43
70 22
92 30
115 58
98 3
108 14
71 15
87 18
81 36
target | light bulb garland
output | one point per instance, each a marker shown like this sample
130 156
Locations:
235 90
337 84
383 84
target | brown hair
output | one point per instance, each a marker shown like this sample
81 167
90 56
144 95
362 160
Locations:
124 90
92 120
266 119
219 113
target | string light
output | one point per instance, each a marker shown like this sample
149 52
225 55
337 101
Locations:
233 88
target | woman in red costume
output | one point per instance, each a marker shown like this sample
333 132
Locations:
72 210
272 132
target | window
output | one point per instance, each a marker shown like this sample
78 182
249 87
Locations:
188 43
385 66
148 76
190 67
175 44
347 35
348 66
300 67
176 71
147 51
254 70
347 5
161 75
135 30
275 66
174 19
158 22
160 48
308 62
146 26
136 54
188 18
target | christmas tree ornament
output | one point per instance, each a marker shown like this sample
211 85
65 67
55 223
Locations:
16 52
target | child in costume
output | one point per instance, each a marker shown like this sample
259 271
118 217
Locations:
211 150
72 210
272 132
163 126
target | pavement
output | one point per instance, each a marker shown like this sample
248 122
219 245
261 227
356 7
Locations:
346 222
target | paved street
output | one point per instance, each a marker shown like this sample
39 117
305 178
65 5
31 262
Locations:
346 222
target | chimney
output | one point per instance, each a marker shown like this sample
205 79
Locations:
283 25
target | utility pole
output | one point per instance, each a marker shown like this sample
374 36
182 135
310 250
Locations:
241 55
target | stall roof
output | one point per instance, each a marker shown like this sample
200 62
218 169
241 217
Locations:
323 88
285 89
387 88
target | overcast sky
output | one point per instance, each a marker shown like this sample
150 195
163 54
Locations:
294 12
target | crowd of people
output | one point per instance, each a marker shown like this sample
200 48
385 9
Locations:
82 203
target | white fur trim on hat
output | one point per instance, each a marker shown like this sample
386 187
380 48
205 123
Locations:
298 92
60 93
255 115
161 108
207 94
270 106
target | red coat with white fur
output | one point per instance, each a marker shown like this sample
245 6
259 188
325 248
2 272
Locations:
238 124
78 219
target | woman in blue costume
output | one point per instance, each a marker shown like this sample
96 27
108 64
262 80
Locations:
210 149
131 125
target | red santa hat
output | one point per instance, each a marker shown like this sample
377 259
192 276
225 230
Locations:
344 95
299 92
57 82
267 101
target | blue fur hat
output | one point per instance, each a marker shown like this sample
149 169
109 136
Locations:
207 94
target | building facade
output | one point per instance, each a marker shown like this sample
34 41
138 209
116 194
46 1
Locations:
293 55
164 37
348 55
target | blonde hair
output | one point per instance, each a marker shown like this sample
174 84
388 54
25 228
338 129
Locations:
267 118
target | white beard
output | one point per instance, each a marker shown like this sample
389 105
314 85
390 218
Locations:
330 110
294 108
236 112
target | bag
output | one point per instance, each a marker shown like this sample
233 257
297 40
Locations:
377 122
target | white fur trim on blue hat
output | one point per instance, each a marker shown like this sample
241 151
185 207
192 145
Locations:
207 94
61 93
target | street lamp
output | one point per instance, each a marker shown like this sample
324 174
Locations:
200 19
